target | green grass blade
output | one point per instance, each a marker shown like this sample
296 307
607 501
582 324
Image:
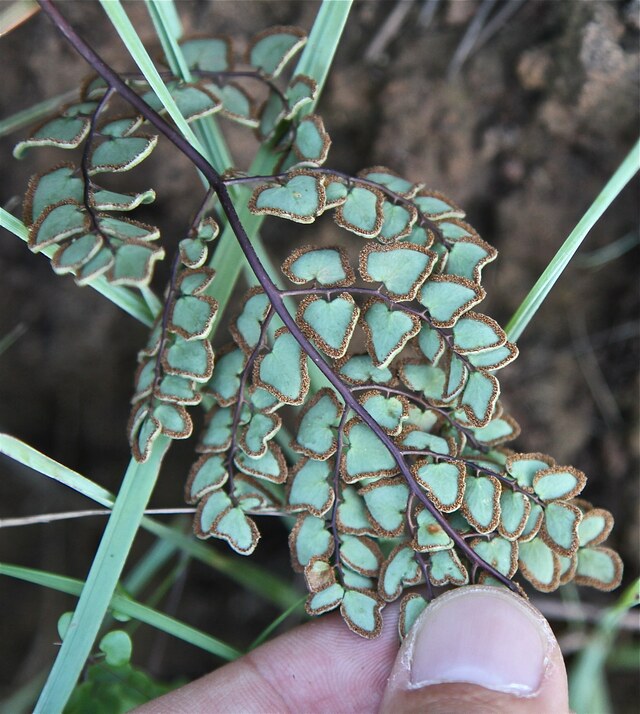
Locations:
127 606
36 113
34 459
524 314
23 699
323 42
102 580
166 21
242 571
13 224
129 36
587 681
124 298
11 337
169 29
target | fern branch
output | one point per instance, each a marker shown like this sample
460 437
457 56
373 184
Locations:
351 181
315 62
84 167
273 293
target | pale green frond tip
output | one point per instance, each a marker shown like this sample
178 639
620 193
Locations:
386 503
309 539
310 489
121 154
63 624
500 553
61 132
481 503
328 266
539 565
387 331
399 570
209 54
361 212
361 611
312 142
400 270
411 608
429 536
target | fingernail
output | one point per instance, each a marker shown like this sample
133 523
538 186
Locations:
480 635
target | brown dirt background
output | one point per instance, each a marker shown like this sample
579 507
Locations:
524 137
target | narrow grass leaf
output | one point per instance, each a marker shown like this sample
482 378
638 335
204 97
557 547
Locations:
169 29
588 670
248 575
102 580
126 606
524 314
128 34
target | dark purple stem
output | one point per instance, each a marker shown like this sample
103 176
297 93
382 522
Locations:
272 292
337 492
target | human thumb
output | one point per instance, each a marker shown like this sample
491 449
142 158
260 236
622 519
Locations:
478 649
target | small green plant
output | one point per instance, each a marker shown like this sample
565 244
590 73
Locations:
357 388
111 683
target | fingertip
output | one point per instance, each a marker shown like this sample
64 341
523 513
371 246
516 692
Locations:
479 647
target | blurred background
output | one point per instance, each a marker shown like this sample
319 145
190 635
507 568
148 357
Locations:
518 110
